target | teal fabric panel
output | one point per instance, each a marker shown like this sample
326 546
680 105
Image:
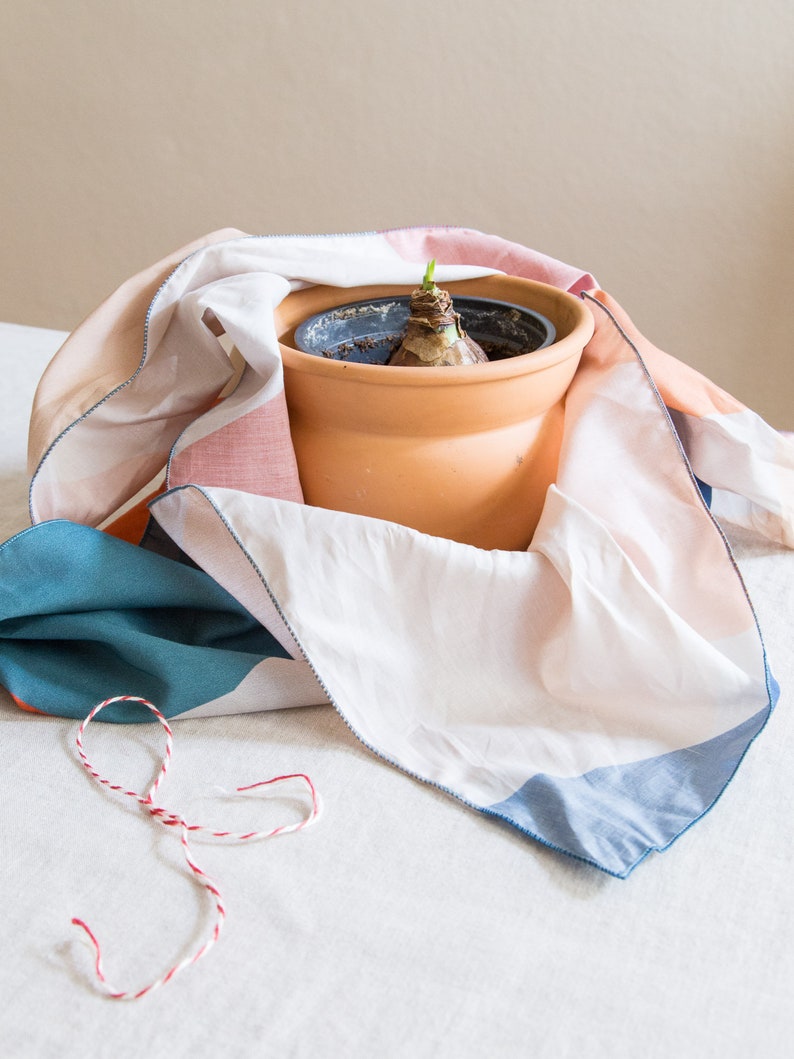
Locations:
85 616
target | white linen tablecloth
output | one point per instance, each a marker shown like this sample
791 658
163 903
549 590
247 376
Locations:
400 925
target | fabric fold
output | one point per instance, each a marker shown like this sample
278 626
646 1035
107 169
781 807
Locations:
597 691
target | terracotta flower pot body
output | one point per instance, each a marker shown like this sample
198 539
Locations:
464 452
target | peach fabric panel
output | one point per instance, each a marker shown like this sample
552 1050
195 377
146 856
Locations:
103 352
681 387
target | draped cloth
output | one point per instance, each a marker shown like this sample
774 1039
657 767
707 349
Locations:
596 691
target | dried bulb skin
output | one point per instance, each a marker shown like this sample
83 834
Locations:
433 335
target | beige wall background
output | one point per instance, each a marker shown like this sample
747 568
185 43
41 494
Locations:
649 143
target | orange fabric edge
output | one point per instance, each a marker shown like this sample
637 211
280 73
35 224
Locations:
24 705
131 526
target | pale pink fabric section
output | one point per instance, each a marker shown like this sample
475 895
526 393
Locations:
453 246
253 453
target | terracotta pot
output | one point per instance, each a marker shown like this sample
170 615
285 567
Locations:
460 452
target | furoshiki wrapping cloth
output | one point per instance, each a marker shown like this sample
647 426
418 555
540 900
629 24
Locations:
597 691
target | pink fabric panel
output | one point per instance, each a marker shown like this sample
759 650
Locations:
253 454
464 246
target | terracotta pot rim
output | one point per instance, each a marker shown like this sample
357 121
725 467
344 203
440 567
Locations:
569 345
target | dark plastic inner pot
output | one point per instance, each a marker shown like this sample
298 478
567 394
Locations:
369 332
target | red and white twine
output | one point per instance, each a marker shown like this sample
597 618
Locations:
170 819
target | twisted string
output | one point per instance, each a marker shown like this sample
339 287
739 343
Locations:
170 819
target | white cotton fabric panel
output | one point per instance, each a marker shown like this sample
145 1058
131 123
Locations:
507 674
755 488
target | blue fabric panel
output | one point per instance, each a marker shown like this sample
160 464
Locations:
705 491
84 616
613 817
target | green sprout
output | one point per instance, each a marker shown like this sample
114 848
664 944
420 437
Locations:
427 282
